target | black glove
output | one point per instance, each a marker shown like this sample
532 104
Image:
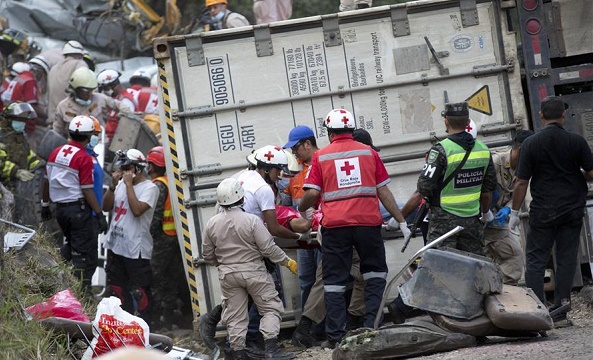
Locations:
103 226
45 213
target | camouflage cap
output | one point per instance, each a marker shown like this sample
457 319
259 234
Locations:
456 109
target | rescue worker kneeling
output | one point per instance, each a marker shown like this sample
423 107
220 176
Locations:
236 242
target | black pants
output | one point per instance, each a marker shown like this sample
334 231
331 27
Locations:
76 222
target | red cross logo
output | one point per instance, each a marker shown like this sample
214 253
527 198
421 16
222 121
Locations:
468 128
155 101
327 120
78 124
345 120
119 210
269 155
67 151
108 77
347 168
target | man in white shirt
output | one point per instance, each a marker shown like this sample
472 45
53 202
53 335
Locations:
129 242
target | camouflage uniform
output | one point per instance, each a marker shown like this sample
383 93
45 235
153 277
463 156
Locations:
168 275
503 246
441 221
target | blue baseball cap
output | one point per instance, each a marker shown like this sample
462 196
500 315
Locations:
297 134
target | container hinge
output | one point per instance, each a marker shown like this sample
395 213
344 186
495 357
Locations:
210 169
399 20
201 201
469 13
205 110
331 30
195 51
492 69
540 73
263 40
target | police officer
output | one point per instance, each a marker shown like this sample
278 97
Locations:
237 242
351 179
458 179
70 185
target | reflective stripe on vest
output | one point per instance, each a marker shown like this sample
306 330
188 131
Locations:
461 196
168 220
349 195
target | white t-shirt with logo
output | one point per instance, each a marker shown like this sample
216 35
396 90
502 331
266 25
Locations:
128 235
259 196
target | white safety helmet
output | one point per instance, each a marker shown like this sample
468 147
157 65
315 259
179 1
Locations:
108 77
294 167
73 47
130 156
229 192
140 75
40 61
339 119
19 67
83 77
472 128
81 125
271 156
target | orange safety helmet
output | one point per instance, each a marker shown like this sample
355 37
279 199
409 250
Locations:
214 2
156 155
96 124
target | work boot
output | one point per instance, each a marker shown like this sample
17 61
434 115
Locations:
354 322
274 352
207 326
396 314
329 344
301 335
239 355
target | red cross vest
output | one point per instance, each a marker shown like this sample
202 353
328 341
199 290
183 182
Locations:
145 98
168 221
349 195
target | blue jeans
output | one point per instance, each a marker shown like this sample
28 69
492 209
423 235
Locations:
540 241
308 261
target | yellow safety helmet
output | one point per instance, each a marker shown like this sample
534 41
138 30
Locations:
214 2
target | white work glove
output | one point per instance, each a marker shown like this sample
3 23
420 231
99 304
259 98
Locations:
403 226
392 224
487 217
514 222
24 175
306 236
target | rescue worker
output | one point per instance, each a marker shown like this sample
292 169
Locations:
145 96
222 17
236 242
83 100
61 73
558 165
14 44
351 179
70 186
501 245
90 62
458 190
302 143
168 274
40 68
109 84
97 170
20 160
8 84
129 242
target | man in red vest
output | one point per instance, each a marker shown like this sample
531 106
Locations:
351 179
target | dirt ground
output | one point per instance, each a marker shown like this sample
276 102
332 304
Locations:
566 343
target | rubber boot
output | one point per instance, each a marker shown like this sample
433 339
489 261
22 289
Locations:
301 335
274 352
207 326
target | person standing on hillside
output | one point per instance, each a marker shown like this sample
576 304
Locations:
558 165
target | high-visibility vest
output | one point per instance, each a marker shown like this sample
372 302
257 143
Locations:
461 196
168 221
348 200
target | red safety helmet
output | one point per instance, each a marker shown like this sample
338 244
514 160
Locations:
156 155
